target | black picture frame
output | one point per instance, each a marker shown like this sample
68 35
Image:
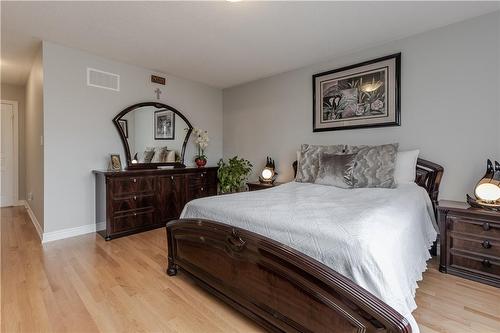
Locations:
124 125
169 132
388 66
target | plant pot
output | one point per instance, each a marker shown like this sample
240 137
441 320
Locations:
200 162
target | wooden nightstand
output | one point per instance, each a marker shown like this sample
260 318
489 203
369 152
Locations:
470 242
255 186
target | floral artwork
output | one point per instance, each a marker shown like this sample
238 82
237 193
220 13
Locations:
362 95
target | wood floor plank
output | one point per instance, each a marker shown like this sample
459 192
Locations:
84 284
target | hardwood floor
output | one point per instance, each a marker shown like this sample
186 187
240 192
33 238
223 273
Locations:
84 284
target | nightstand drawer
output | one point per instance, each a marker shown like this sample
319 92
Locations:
484 264
480 227
484 245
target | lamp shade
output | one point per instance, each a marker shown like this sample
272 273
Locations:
488 192
267 174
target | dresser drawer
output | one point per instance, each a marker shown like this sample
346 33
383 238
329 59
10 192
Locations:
130 221
473 226
133 202
479 245
197 180
132 185
474 263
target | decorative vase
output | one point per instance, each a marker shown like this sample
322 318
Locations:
200 162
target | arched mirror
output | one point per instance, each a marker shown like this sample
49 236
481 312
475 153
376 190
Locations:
153 134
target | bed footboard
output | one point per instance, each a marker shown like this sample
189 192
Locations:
280 288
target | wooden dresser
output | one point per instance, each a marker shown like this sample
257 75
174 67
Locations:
132 201
470 242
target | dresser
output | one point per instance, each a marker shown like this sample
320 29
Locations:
132 201
470 242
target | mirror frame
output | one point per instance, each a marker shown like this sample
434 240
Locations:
157 105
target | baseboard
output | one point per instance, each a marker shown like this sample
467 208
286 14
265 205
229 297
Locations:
100 226
59 234
69 232
20 203
35 222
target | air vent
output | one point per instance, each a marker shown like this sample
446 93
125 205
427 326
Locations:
100 79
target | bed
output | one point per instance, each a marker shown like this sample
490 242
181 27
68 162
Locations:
311 258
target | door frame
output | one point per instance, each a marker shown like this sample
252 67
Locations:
15 109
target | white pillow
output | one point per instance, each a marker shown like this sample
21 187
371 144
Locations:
406 164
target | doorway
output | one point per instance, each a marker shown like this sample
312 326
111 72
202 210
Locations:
9 154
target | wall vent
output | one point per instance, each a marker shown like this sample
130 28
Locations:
101 79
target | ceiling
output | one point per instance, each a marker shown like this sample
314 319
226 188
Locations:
221 44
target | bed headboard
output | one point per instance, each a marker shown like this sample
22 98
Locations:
428 176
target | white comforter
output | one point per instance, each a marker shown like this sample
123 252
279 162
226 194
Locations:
379 238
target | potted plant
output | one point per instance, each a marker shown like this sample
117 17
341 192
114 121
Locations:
201 141
232 175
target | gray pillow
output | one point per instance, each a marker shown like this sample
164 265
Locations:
336 170
308 164
374 166
148 155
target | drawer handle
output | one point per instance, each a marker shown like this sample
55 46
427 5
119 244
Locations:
135 180
486 244
135 198
486 226
486 263
201 189
135 214
201 174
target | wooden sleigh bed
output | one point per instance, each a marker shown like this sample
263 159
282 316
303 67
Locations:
276 286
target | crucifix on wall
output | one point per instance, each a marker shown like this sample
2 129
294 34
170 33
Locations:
158 93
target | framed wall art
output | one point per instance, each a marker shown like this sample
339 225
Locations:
362 95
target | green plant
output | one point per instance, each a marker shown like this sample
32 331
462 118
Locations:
233 174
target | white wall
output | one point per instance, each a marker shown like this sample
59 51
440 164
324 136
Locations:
450 106
34 155
79 133
18 93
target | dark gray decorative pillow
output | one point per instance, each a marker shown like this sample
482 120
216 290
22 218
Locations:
336 170
374 165
308 164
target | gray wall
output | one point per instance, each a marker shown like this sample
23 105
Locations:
18 94
79 133
450 105
34 155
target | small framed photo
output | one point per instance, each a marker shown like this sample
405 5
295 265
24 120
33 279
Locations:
357 96
164 123
124 125
115 164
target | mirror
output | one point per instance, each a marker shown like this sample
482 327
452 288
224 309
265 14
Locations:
153 134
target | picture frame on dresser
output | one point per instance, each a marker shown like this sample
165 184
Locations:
470 242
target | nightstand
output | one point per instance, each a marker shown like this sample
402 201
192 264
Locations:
255 186
470 242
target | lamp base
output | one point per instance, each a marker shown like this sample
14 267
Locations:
478 203
267 181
